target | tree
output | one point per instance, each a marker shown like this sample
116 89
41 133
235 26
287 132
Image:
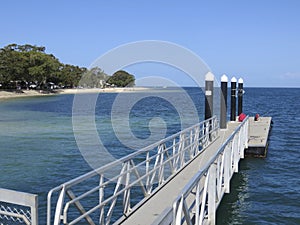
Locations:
122 79
43 67
12 65
70 75
94 77
28 63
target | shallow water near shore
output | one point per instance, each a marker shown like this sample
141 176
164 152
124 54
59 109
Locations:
38 150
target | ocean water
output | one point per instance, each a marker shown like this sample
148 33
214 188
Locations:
267 191
38 149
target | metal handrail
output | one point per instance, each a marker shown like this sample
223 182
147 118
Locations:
149 173
209 184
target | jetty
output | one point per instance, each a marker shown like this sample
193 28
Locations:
178 180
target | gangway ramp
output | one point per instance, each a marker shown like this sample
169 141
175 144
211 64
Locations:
154 207
117 189
180 178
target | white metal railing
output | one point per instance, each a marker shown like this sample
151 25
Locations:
18 207
104 196
200 198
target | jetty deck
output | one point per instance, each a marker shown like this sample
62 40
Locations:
258 136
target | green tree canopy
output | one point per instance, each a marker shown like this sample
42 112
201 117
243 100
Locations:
122 78
30 64
94 77
70 75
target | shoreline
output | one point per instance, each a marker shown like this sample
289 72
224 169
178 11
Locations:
5 95
104 90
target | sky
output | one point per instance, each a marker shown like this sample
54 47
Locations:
258 40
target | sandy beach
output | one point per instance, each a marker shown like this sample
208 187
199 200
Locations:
4 95
26 93
105 90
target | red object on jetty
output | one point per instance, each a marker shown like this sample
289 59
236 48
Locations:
242 116
256 117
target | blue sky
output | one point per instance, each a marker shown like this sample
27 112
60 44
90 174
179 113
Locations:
258 40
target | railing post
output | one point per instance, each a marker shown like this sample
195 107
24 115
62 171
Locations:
223 114
59 206
247 132
212 194
198 204
101 198
233 99
236 153
34 212
240 96
126 197
241 144
227 168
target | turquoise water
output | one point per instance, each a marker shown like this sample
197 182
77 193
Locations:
38 150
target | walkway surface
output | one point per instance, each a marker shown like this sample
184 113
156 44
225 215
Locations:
164 198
